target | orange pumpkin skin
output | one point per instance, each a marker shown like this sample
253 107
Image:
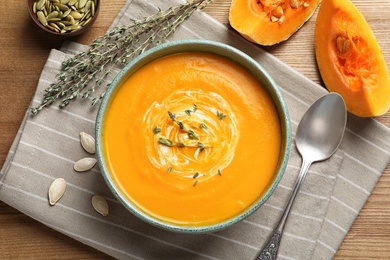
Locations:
268 22
350 60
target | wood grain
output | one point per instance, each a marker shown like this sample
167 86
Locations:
23 52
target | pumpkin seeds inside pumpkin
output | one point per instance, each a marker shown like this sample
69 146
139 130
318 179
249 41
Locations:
278 12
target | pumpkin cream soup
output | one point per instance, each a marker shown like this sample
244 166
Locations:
192 139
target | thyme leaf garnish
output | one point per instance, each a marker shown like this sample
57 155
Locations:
193 110
166 142
191 133
81 75
220 115
201 146
156 130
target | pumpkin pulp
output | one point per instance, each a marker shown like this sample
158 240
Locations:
192 139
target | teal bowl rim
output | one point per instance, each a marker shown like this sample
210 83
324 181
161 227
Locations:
198 46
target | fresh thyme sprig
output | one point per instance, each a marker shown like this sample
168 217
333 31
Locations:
86 71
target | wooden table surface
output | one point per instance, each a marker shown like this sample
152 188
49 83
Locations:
24 50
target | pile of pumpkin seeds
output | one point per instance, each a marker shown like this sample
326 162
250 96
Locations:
64 16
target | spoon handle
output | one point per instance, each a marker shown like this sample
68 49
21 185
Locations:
270 250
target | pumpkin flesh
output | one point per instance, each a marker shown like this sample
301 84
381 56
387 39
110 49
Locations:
268 22
350 60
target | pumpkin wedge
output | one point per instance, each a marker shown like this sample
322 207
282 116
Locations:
268 22
350 60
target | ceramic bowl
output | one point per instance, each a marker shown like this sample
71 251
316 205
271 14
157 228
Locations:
68 34
198 46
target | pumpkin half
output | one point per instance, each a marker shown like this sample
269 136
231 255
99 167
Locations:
350 60
268 22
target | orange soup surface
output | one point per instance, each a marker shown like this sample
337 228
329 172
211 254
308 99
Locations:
192 139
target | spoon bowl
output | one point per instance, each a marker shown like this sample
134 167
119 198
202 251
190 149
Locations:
321 128
319 135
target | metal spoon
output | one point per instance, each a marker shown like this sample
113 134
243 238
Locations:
318 136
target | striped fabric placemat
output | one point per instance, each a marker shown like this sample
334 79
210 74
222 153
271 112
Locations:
333 193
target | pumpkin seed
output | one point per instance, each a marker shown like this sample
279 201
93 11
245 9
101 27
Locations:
84 164
70 19
87 15
55 26
66 13
100 204
88 6
295 4
56 190
87 142
61 25
274 19
53 14
93 8
278 12
42 18
66 23
61 6
35 7
343 44
281 19
82 3
73 27
54 20
76 15
64 2
87 21
41 4
52 27
72 2
47 5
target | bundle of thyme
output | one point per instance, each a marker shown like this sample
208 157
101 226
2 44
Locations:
82 74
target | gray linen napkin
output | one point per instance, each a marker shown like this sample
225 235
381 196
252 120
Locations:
333 193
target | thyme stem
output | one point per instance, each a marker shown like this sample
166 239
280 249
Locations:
82 74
